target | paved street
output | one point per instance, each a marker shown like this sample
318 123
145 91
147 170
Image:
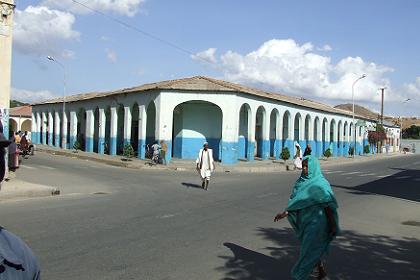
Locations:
117 223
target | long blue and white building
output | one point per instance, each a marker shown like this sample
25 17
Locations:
239 122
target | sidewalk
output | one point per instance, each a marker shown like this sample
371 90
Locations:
15 188
256 166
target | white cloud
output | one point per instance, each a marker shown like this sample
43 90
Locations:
111 55
122 7
287 67
413 89
40 30
207 55
325 48
29 96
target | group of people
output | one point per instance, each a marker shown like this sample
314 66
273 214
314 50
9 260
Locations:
297 159
158 152
19 143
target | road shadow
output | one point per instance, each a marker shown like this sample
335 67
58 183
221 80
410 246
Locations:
403 184
191 185
352 256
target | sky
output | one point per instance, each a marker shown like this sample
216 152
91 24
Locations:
310 49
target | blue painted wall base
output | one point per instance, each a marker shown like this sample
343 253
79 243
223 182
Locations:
89 144
250 151
112 146
141 149
229 153
101 146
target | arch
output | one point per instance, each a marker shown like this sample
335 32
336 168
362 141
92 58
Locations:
96 130
333 140
297 128
151 123
325 143
262 149
51 128
13 126
81 128
195 122
287 141
245 144
307 138
274 141
340 138
120 129
26 125
135 127
107 141
346 138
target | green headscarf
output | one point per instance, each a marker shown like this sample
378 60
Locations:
311 189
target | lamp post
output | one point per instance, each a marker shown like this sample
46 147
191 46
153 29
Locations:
354 125
63 132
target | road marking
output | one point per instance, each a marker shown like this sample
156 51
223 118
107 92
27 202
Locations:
368 174
47 167
332 172
27 167
266 195
383 176
354 172
402 177
166 216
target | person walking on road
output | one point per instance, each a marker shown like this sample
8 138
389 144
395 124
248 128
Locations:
298 157
205 165
312 213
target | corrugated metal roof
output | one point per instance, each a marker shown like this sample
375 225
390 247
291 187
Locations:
200 83
22 111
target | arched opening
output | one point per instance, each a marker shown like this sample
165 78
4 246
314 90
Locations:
120 129
151 124
13 126
135 127
26 125
81 128
96 131
244 129
274 142
333 143
339 140
325 143
259 132
196 122
286 141
296 127
307 132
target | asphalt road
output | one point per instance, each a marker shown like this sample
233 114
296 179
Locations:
116 223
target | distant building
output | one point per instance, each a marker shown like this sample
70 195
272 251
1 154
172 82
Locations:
20 119
239 122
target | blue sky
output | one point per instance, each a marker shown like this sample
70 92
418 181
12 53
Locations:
314 49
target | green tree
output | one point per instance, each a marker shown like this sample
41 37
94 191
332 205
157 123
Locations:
285 154
327 153
128 151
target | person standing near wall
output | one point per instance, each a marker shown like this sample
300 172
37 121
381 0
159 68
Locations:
205 165
17 260
163 151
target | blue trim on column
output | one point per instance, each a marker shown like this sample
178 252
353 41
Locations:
250 151
50 139
101 145
44 138
318 148
141 148
89 144
112 146
168 156
34 137
73 139
340 148
242 142
57 140
265 153
335 149
229 152
302 144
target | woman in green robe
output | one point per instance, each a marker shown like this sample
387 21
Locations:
312 212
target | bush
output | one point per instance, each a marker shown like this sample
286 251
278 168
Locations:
351 151
285 154
77 146
366 149
128 151
327 153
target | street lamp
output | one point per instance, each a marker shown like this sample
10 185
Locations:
63 126
354 125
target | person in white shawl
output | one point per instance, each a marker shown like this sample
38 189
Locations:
298 157
205 164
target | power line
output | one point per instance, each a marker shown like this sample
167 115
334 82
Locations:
145 33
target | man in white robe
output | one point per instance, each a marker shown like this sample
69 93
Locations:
205 165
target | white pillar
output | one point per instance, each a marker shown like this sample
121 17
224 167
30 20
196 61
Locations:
90 128
50 128
101 132
127 125
44 128
73 129
141 145
230 135
113 132
34 131
38 128
64 131
57 129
